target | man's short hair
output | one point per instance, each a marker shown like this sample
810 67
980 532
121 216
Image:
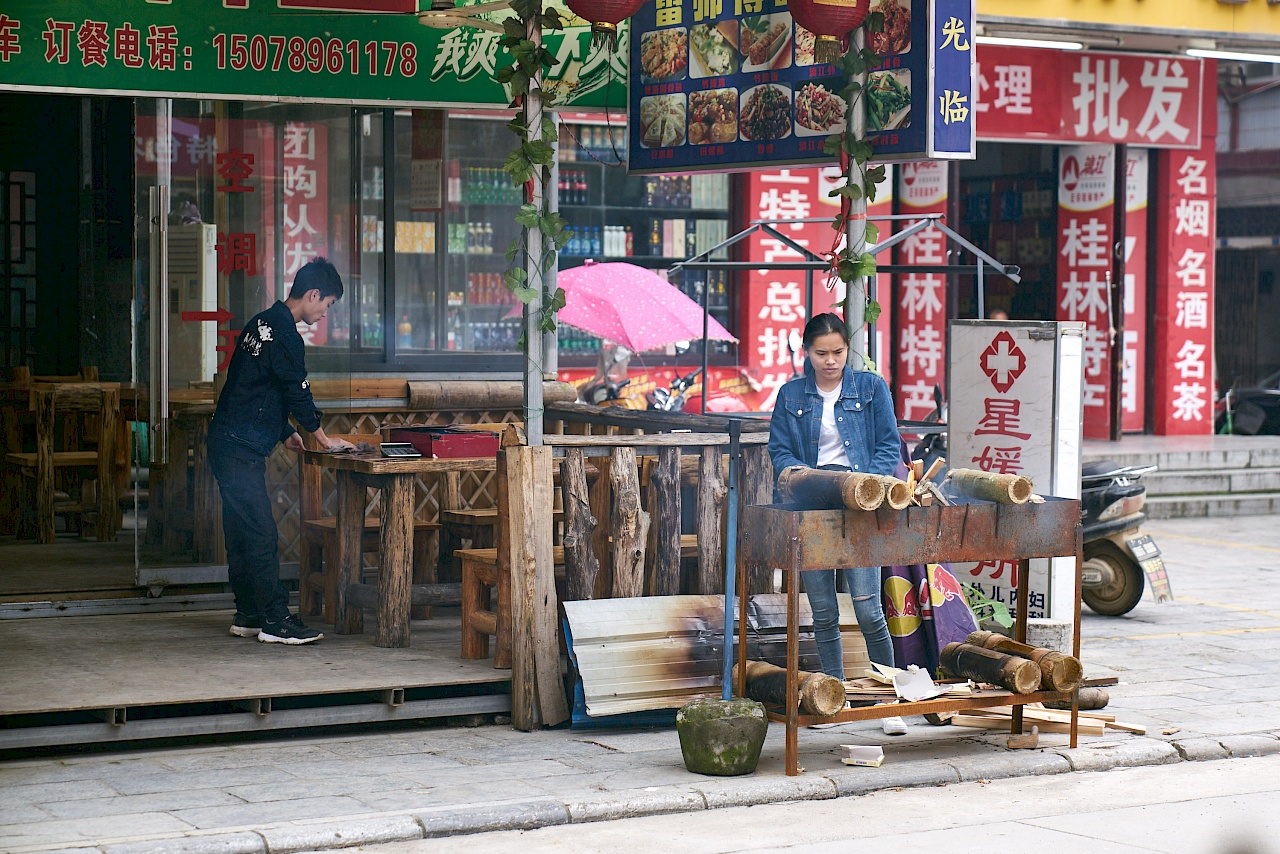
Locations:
317 275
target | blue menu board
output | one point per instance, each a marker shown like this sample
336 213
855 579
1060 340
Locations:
732 84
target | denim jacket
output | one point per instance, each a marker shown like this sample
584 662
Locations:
864 419
266 383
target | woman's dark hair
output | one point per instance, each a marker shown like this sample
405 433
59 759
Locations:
824 324
317 275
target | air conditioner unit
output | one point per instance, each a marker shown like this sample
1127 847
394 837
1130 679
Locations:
193 287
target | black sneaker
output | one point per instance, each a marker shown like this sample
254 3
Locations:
290 630
246 625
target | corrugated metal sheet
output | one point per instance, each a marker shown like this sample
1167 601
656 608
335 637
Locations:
660 652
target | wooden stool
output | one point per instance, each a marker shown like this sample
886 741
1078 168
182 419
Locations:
480 620
315 577
478 526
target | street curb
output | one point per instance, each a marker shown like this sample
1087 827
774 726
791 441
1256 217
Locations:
341 834
705 795
246 842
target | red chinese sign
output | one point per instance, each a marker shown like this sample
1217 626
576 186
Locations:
1133 390
1081 96
1086 195
920 299
1183 388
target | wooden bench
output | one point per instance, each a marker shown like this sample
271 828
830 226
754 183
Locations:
318 580
480 620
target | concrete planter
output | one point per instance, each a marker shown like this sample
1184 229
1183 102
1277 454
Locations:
722 737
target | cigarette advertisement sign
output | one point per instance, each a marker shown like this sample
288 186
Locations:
336 51
718 85
1015 409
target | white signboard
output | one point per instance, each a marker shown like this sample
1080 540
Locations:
1015 408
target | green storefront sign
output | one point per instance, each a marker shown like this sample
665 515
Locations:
272 49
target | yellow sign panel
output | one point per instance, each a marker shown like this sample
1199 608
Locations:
1203 17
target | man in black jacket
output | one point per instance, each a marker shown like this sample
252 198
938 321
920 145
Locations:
266 383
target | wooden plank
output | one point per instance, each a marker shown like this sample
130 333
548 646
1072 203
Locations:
537 691
477 394
581 565
712 493
360 388
396 576
756 487
649 440
601 508
649 420
351 503
629 525
665 489
1000 722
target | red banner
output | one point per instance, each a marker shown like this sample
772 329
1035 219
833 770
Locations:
1029 94
920 299
1086 196
1183 374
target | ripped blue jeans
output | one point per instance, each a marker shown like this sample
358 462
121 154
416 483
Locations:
864 587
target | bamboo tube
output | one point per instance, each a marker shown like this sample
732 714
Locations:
820 694
830 490
967 661
897 494
1058 671
1000 488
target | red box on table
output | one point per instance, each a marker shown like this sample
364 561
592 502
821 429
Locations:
447 442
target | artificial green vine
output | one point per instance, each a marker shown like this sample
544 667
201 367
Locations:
532 159
859 180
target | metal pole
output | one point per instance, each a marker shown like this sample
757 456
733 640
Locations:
551 342
706 330
1121 193
730 555
982 292
855 301
533 350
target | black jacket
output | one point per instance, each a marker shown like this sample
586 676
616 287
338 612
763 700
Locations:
266 383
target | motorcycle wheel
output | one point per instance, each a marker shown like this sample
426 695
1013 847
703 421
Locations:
1122 595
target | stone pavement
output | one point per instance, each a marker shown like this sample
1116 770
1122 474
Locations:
1198 673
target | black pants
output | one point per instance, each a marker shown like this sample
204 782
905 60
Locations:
253 562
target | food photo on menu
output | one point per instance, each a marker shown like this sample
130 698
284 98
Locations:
764 41
895 37
888 100
804 42
714 49
765 113
819 111
662 121
713 116
664 55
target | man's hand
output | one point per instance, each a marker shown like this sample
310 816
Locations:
294 443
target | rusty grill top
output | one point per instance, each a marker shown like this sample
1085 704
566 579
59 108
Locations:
835 539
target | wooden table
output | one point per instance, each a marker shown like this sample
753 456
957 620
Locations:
394 477
800 540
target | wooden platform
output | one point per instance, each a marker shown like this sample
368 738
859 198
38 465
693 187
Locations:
165 675
71 566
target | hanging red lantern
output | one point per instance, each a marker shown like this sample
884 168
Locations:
604 15
830 21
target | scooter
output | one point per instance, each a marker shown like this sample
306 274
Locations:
672 399
1118 558
605 388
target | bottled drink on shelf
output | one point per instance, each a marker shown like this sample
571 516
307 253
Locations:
404 332
630 246
471 237
655 237
597 248
488 238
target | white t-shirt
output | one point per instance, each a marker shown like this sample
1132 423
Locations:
831 450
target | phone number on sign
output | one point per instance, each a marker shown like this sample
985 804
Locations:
239 51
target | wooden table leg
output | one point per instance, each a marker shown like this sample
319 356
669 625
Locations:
395 578
348 620
1020 629
177 516
793 664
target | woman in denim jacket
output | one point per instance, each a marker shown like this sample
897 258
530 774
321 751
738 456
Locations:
838 419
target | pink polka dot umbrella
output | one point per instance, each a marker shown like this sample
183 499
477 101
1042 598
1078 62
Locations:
632 306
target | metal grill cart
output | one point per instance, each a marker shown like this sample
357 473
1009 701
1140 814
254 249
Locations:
800 540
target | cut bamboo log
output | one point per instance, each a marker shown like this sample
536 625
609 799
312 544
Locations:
1059 672
831 490
630 526
820 694
1019 675
1000 488
897 494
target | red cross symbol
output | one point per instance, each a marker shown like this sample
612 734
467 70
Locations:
1003 362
